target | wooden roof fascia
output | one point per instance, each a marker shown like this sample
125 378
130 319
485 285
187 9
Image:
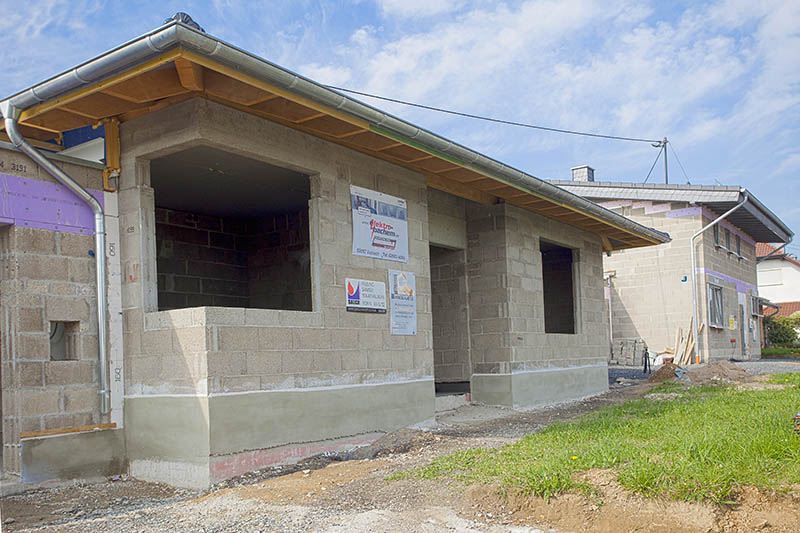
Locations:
449 186
99 86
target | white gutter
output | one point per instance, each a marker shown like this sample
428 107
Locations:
11 115
176 34
695 322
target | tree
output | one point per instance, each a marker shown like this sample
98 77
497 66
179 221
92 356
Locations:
782 330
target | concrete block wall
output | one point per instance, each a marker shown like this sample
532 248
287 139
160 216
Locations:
451 338
512 356
532 347
233 262
652 293
279 262
650 299
738 278
45 276
213 352
202 260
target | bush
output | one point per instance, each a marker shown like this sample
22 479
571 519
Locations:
782 330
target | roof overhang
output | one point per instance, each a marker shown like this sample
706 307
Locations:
176 62
754 218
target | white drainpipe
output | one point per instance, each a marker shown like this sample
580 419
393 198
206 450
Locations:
11 115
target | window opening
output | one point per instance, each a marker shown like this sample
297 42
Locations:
558 288
64 341
230 231
728 239
715 305
716 235
738 246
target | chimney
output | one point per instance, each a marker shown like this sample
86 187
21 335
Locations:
582 173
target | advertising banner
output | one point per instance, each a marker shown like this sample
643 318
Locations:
380 225
403 301
365 296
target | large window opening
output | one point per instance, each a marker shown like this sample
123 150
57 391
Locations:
230 231
558 288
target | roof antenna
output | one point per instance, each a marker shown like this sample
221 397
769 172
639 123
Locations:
663 146
184 18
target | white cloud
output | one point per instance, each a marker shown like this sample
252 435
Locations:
326 74
418 8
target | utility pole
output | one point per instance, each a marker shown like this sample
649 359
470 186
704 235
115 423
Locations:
666 176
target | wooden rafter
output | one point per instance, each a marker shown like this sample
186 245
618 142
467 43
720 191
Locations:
457 189
190 74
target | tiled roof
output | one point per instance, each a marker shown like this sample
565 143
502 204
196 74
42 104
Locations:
788 308
763 249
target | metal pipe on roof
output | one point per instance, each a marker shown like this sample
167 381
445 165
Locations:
695 322
11 115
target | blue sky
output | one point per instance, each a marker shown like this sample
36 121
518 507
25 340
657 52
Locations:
720 79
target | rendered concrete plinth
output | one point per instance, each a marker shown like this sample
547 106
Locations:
540 387
194 441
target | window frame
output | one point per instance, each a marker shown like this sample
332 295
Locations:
711 289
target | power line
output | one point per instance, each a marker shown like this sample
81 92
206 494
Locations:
490 119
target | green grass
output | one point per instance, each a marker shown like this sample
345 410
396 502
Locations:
781 351
701 446
789 378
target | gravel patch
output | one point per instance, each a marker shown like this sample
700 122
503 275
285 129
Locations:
768 366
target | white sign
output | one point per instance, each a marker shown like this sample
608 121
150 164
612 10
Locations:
380 225
364 296
403 298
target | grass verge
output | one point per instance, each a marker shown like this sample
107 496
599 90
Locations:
780 352
701 445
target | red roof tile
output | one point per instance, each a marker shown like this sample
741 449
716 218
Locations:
788 308
763 249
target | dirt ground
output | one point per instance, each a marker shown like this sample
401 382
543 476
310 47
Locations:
325 494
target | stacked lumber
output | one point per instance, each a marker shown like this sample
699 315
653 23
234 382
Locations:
685 345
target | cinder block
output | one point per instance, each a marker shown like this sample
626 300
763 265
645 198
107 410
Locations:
36 241
157 342
262 362
238 339
64 308
39 402
311 339
189 339
33 347
43 267
76 244
30 319
275 339
31 375
297 362
227 363
68 420
68 372
82 399
81 270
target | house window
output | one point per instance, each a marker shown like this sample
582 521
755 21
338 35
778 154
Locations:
755 306
716 235
738 246
728 240
715 306
558 288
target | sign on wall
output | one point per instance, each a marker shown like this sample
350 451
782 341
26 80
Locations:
365 296
403 301
380 225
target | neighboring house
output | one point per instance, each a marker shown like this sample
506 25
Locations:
288 271
778 275
650 289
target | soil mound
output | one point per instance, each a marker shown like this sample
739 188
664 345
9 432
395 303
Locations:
664 373
717 372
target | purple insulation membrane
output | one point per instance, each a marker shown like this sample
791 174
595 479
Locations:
43 205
